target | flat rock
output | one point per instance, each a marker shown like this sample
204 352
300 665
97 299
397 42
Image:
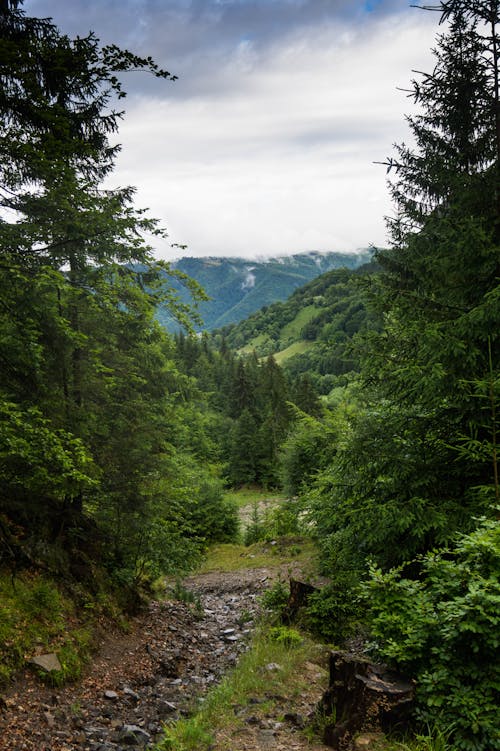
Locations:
48 662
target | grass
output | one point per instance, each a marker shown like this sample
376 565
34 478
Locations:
294 328
248 495
232 557
297 348
254 344
36 617
253 682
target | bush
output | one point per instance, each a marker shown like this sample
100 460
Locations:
289 637
276 598
443 629
330 612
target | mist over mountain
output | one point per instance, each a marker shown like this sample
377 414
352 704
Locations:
237 287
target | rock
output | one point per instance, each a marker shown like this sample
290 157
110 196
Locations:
111 695
49 719
267 737
131 694
272 667
367 741
133 735
295 719
49 662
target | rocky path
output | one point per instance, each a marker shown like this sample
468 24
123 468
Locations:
143 679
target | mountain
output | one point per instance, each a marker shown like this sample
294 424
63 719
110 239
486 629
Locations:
312 331
237 287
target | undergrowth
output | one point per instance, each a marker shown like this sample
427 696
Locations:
36 617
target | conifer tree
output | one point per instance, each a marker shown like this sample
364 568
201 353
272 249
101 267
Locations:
419 459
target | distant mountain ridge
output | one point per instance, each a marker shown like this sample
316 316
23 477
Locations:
311 332
239 286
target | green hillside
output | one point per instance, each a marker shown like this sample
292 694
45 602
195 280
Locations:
237 287
312 331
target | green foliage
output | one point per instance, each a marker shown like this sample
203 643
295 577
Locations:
276 598
40 465
311 332
255 530
289 637
392 489
435 739
34 613
281 520
308 448
97 456
442 628
331 613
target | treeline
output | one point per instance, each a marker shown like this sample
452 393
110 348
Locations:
253 407
101 461
402 478
116 440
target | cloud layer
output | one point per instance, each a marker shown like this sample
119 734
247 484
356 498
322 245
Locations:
266 142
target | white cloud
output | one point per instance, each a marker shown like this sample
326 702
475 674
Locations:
281 160
266 143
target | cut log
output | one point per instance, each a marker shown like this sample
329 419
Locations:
361 697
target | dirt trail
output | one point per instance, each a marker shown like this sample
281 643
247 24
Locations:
138 681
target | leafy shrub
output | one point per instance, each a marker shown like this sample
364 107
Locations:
331 611
276 598
281 520
443 629
289 637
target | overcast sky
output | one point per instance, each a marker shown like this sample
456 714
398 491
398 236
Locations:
266 144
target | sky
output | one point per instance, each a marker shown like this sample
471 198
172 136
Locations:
268 141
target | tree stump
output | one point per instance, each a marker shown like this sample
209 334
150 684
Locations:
299 595
363 696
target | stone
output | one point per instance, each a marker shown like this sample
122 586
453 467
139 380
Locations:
131 694
272 667
367 741
49 662
111 695
295 719
133 735
49 719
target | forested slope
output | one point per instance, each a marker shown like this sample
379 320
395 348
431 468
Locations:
312 332
237 287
